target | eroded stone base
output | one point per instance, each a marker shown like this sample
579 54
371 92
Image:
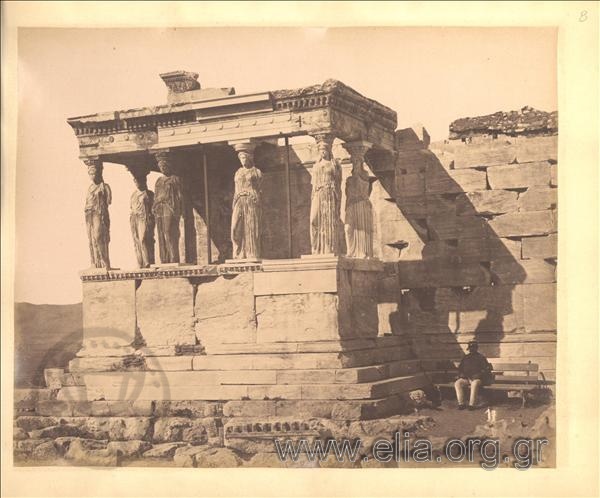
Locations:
194 433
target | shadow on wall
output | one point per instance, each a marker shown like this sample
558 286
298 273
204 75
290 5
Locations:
468 222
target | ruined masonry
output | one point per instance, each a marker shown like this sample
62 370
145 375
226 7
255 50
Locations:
244 331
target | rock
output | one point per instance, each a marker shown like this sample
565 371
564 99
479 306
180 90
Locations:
53 377
79 453
194 431
527 121
388 427
19 434
186 456
129 449
188 408
545 424
55 431
217 458
113 428
26 446
45 451
62 444
164 450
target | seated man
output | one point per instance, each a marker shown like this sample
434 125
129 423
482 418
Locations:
474 370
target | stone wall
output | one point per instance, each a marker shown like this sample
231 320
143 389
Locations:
481 257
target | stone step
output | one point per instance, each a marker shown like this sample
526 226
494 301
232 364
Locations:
251 361
50 412
352 375
132 386
309 347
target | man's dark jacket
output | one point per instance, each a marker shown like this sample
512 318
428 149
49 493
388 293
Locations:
475 366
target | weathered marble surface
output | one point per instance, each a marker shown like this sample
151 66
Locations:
142 222
224 310
247 210
325 200
279 317
168 209
109 322
165 312
99 197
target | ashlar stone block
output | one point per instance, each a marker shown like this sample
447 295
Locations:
165 313
224 311
297 317
109 317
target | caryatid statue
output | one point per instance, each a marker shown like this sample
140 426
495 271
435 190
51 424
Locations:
325 199
99 197
358 225
246 212
141 219
167 209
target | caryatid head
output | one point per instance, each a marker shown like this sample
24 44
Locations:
164 163
95 169
246 158
324 145
245 152
141 182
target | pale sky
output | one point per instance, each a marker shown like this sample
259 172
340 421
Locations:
428 75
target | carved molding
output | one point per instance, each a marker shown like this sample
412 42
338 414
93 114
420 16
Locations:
154 273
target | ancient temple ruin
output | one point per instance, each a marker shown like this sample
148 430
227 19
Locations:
259 291
302 260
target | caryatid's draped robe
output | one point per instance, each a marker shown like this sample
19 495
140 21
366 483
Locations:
168 209
359 215
99 197
142 224
246 215
325 206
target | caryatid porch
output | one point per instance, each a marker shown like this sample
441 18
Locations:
198 133
221 295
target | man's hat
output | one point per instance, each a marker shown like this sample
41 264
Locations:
472 345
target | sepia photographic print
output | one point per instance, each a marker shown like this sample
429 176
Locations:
295 247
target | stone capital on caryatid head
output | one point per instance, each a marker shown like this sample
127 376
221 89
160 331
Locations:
324 140
247 145
92 161
164 161
357 150
95 168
